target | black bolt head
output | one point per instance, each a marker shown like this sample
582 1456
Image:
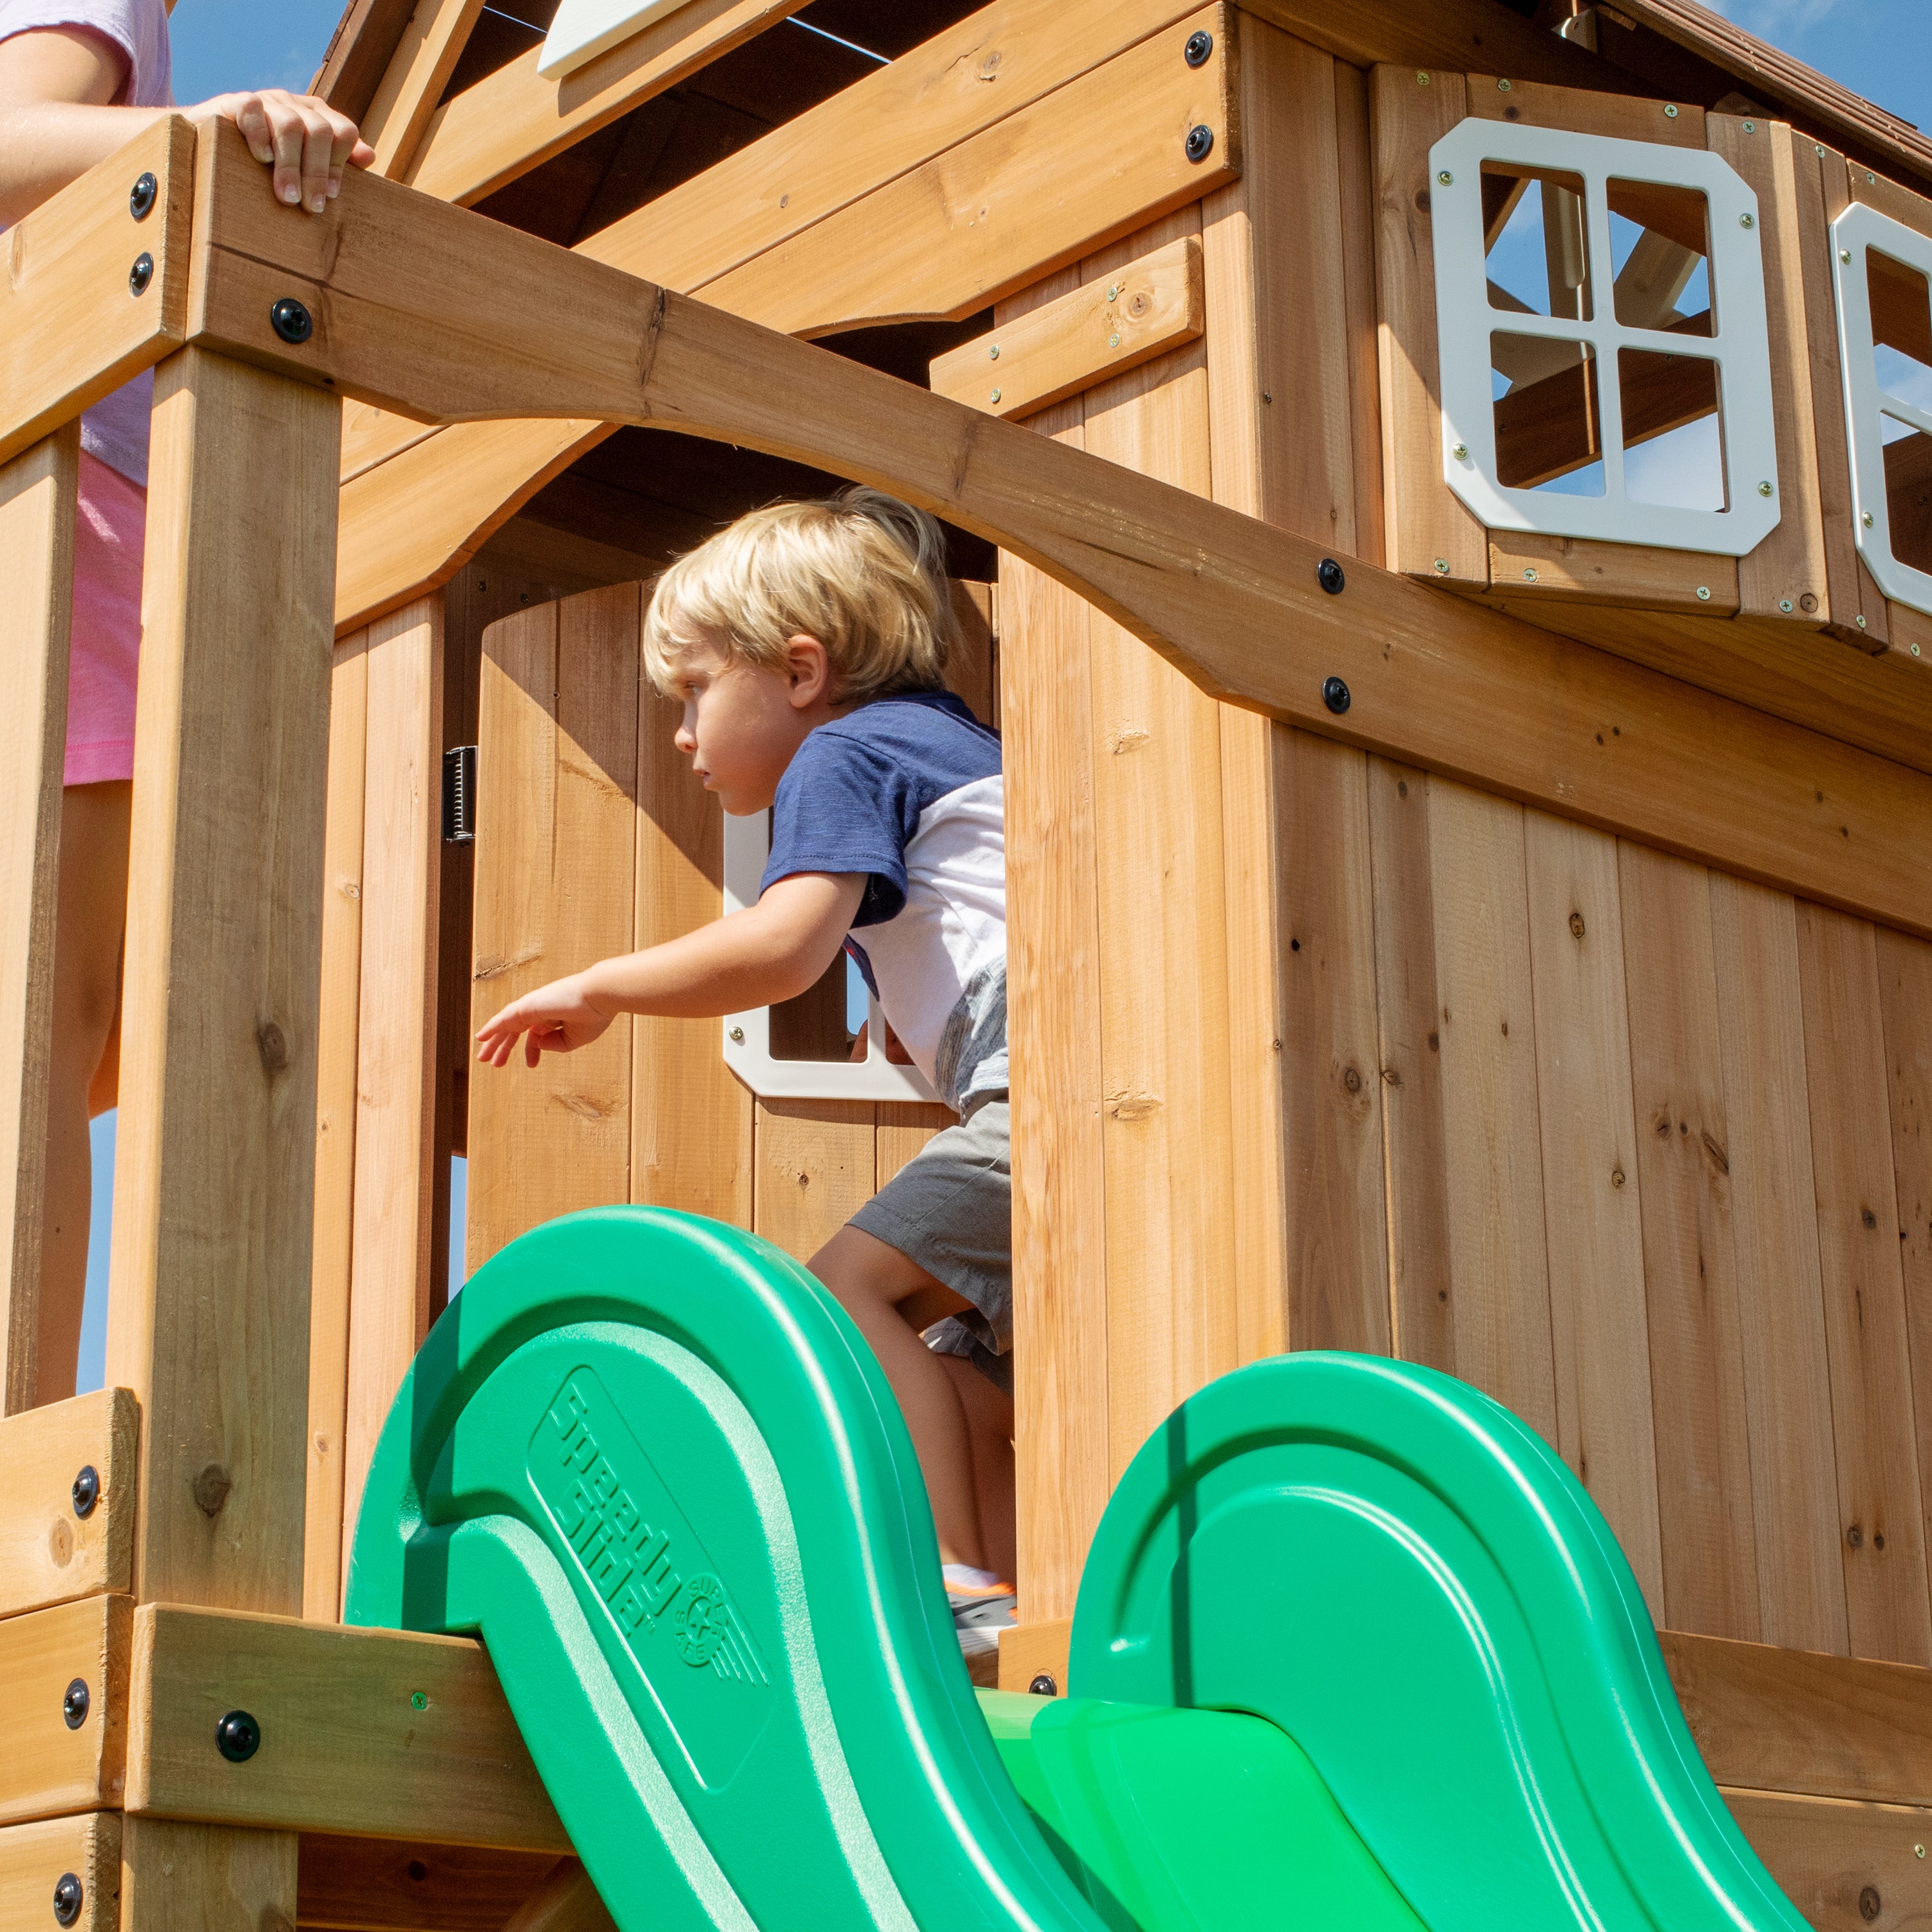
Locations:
237 1737
1200 141
86 1491
1328 574
68 1898
291 321
140 274
141 197
1043 1685
73 1705
1199 46
1335 695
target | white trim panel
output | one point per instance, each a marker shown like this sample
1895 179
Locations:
1465 319
582 29
1867 404
747 846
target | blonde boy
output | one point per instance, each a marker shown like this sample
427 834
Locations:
807 644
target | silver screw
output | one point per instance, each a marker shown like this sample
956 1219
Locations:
1113 342
1918 1851
1859 621
1529 576
1844 254
1873 179
1867 519
1750 127
1703 593
1914 652
1746 221
1442 566
1764 489
737 1035
1502 87
1784 604
993 354
1421 78
1460 452
995 396
1114 293
1445 177
1670 112
1821 153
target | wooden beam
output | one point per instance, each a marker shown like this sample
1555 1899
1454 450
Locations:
566 1902
345 1745
49 1551
413 83
208 1317
1435 681
72 329
514 120
1111 325
36 513
201 1878
397 1884
34 1859
48 1768
1461 36
1844 1866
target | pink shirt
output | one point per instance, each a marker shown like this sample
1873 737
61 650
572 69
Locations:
116 430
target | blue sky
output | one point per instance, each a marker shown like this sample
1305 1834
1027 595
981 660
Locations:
1879 48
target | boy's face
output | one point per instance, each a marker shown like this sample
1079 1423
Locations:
743 722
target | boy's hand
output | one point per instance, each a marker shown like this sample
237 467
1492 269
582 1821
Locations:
557 1018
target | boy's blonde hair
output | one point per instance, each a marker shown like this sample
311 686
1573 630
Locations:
861 572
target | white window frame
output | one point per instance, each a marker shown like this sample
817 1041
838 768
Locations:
582 29
748 1036
1858 229
1465 319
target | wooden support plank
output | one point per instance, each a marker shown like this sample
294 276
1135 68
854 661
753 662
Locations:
1498 1252
1843 1865
514 120
71 330
47 1769
559 776
36 513
208 1317
567 1901
1705 1509
691 1118
396 1885
336 1105
49 1551
414 80
1775 1222
1880 1506
1624 117
177 1877
345 1747
1536 571
1461 35
1409 1063
1430 532
1031 1649
1104 327
1355 188
1011 204
1600 1329
395 1231
34 1859
814 1168
904 1128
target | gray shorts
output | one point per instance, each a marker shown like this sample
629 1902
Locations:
950 1209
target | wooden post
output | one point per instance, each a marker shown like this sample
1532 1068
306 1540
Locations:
209 1286
37 509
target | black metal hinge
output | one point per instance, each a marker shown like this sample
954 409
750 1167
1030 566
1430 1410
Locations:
459 796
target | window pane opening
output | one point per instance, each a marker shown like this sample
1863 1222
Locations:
1901 315
1549 431
1673 434
1908 493
814 1026
1660 256
1537 245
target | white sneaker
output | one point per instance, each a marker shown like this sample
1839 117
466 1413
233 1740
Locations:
982 1606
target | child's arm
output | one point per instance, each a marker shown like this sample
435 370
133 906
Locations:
769 952
54 124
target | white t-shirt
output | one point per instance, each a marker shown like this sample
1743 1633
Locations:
116 430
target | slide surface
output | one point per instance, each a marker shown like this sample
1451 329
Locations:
1351 1648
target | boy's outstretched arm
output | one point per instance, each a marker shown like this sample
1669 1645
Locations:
769 952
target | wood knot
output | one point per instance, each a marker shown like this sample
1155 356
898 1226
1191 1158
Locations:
1616 1177
1576 926
211 1489
1351 1080
272 1044
1866 1215
1856 1536
1870 1903
60 1542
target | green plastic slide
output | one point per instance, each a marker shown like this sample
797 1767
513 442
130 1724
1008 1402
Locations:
1352 1650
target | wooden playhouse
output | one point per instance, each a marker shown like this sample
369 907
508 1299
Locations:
1454 576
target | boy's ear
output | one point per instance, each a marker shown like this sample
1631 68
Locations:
808 669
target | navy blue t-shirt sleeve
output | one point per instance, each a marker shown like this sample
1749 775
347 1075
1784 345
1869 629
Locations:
843 805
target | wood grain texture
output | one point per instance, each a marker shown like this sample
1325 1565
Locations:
1412 109
813 1169
1535 572
556 881
904 1128
335 1110
1874 1426
1409 1065
1599 1325
395 1234
413 82
1707 1514
37 513
1028 1649
205 1878
34 1859
1104 327
394 1885
566 1901
45 1769
1498 1251
1845 1866
1787 1385
344 1747
49 1552
214 1175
